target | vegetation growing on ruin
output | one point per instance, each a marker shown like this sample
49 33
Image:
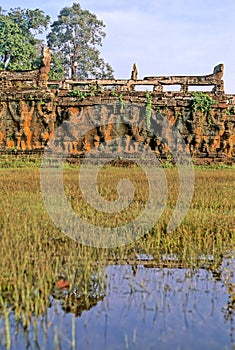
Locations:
148 112
81 95
202 101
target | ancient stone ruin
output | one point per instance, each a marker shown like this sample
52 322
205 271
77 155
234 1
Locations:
103 111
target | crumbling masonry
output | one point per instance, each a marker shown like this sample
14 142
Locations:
32 107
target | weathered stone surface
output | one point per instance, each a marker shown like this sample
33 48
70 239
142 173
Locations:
214 79
30 116
45 68
134 73
31 78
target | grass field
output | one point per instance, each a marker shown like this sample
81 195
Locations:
35 255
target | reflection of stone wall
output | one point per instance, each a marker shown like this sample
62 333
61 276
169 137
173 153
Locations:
30 116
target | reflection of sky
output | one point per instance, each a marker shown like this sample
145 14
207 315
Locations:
164 37
149 308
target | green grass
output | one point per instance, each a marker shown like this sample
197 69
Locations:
17 161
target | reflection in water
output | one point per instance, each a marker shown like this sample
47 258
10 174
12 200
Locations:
81 298
140 308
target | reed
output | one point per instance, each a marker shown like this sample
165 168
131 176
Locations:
35 254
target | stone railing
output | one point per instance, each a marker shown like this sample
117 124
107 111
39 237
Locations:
156 82
28 78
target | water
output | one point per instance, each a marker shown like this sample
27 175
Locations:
139 308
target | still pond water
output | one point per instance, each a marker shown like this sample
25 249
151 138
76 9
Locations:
139 307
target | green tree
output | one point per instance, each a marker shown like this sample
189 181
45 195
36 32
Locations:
57 71
19 47
75 36
30 21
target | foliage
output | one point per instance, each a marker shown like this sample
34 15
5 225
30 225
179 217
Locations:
157 109
74 39
202 102
168 162
92 89
19 46
81 95
11 42
30 21
230 111
148 109
120 99
114 93
76 35
57 71
122 103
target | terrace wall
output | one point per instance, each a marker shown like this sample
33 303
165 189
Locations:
102 111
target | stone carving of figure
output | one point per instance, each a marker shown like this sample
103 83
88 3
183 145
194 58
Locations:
74 129
86 144
219 71
220 125
47 112
23 117
45 68
134 73
229 144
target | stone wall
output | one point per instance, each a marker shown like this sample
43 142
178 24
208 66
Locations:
106 111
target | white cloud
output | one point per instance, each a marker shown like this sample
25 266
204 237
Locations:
162 36
182 42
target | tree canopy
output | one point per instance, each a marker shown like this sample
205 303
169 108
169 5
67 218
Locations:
74 39
75 36
18 43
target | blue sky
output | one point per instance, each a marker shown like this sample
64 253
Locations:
164 37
